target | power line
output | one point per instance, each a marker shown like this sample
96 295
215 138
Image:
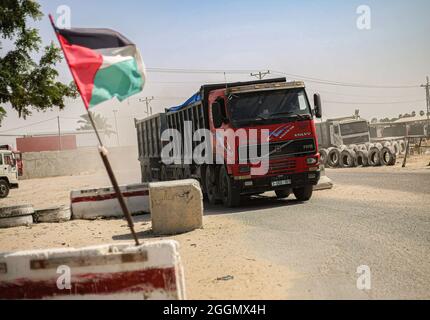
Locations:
28 125
307 78
345 84
356 102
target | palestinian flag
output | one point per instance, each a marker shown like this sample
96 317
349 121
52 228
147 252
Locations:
104 64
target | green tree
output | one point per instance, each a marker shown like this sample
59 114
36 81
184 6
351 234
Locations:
27 84
101 123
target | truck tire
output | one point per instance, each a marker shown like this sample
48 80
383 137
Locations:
146 174
4 189
179 174
211 185
304 193
333 157
163 175
353 147
230 197
362 147
374 158
388 156
348 159
324 156
282 194
362 158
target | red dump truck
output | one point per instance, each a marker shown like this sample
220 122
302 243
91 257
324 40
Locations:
288 145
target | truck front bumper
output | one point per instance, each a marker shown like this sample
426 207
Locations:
257 185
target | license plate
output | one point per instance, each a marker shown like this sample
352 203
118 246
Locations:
281 183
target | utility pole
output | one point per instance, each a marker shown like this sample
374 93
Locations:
260 75
116 126
427 87
148 100
59 134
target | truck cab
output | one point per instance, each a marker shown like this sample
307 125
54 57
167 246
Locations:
343 131
8 172
284 111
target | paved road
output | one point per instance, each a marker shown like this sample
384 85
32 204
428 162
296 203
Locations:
325 240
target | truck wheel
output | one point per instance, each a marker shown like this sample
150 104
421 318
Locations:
4 189
229 196
282 194
304 194
211 186
164 175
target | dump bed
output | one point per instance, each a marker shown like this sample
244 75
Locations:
149 135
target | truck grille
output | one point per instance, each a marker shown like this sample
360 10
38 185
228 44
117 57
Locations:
284 166
285 148
356 140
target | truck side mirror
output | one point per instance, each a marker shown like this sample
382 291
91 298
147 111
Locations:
217 114
318 106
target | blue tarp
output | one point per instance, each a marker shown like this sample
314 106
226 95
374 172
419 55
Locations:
195 98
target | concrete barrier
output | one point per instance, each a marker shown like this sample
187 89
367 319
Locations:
114 272
325 182
176 206
102 203
16 216
52 215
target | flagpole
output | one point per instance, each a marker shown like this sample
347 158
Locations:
103 153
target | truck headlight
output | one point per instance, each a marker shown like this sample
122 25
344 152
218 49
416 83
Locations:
311 161
245 169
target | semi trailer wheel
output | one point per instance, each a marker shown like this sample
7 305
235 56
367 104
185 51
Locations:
303 194
4 189
229 196
211 186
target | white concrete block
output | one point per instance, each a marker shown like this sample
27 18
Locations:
176 206
102 203
117 271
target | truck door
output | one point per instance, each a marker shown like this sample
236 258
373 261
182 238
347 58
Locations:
3 168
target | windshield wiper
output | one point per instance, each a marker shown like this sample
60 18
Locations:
290 114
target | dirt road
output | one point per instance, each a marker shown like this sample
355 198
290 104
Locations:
276 249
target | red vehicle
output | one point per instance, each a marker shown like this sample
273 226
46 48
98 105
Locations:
18 158
279 108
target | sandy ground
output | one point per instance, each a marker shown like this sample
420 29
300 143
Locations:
210 254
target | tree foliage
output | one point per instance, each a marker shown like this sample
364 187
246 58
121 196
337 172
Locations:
27 84
101 123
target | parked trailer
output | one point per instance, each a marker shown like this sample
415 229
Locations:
280 107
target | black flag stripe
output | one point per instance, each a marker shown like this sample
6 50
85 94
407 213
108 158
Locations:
94 38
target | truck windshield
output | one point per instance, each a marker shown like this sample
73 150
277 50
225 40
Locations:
354 128
268 106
